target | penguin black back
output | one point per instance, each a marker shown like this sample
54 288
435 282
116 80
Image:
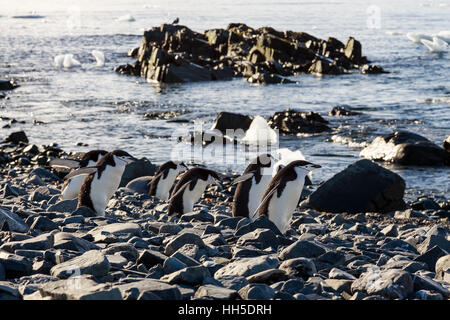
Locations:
279 182
193 174
162 172
242 192
92 155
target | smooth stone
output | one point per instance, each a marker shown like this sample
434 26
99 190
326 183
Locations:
91 262
189 276
301 248
300 267
233 282
247 266
443 268
259 238
262 222
68 241
64 206
257 292
137 289
270 275
181 240
210 291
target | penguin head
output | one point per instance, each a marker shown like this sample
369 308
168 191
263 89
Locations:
304 166
122 158
90 158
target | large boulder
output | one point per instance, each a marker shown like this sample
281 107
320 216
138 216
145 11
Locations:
363 186
406 148
292 122
136 169
234 121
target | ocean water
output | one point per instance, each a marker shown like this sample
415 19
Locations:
103 109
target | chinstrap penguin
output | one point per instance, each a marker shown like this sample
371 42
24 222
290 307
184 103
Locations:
190 188
251 186
102 180
71 187
283 193
164 178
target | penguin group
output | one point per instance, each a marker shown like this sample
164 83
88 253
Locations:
266 186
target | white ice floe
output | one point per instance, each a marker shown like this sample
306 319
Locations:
100 57
70 61
260 133
286 156
59 59
435 46
417 37
394 33
127 17
444 35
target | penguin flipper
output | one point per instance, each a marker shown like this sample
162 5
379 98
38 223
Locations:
64 163
180 190
81 171
266 198
243 178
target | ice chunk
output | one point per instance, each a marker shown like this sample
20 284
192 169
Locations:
59 59
437 45
127 17
416 37
260 133
100 57
70 62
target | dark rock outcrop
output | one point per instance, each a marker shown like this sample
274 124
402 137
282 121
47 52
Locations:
174 53
292 122
406 148
363 186
233 121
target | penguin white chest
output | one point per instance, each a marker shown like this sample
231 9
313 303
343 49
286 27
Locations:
281 208
163 187
72 189
103 189
255 194
190 197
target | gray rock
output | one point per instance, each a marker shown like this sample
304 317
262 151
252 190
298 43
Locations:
398 245
259 238
158 288
9 289
189 276
84 211
65 240
362 187
44 224
336 273
127 248
172 264
79 288
247 266
267 276
257 292
424 283
140 185
390 231
300 267
117 229
262 222
434 240
116 261
2 273
151 258
140 168
64 206
42 242
13 221
337 285
292 286
181 240
428 295
232 281
92 262
391 284
15 266
431 257
231 121
210 291
202 215
301 248
188 261
228 222
170 228
443 268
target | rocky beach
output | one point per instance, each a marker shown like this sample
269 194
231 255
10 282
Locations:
363 244
359 91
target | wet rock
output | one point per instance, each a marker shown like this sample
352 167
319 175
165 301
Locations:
299 267
79 288
12 222
257 292
352 50
446 143
342 111
92 262
263 78
372 69
406 148
16 137
392 284
294 122
190 276
247 266
7 85
362 187
320 66
179 241
42 242
15 266
301 248
231 121
210 291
